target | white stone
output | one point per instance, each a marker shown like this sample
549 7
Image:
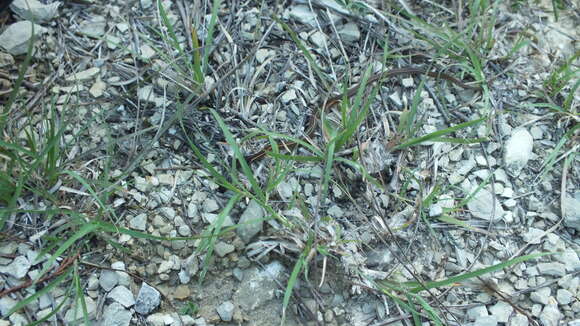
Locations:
288 96
115 315
83 75
263 54
94 27
35 10
123 296
481 206
98 88
165 266
147 52
303 14
210 206
518 151
16 38
18 268
571 205
139 222
349 32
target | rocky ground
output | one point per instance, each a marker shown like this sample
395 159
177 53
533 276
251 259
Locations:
126 200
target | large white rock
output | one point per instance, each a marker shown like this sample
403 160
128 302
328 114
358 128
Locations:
518 151
16 37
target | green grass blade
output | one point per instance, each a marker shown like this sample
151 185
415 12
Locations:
239 156
57 281
83 232
300 263
80 296
210 31
478 273
438 134
213 233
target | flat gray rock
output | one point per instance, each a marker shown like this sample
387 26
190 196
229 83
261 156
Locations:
571 205
251 222
34 9
481 206
16 37
550 315
349 32
116 315
148 299
18 268
108 280
123 296
552 269
485 321
94 27
138 222
226 311
258 286
6 303
303 14
502 311
221 248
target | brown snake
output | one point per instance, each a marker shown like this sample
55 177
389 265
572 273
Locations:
311 122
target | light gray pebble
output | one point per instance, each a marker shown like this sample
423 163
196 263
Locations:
571 211
533 236
165 266
213 218
485 321
123 296
148 299
17 319
222 248
308 189
536 132
553 269
541 295
184 231
251 222
550 315
160 319
285 190
108 280
116 315
349 32
481 206
318 38
519 320
288 96
435 210
210 205
17 268
564 296
502 311
168 212
335 211
6 303
138 222
193 212
476 312
226 311
518 151
238 274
